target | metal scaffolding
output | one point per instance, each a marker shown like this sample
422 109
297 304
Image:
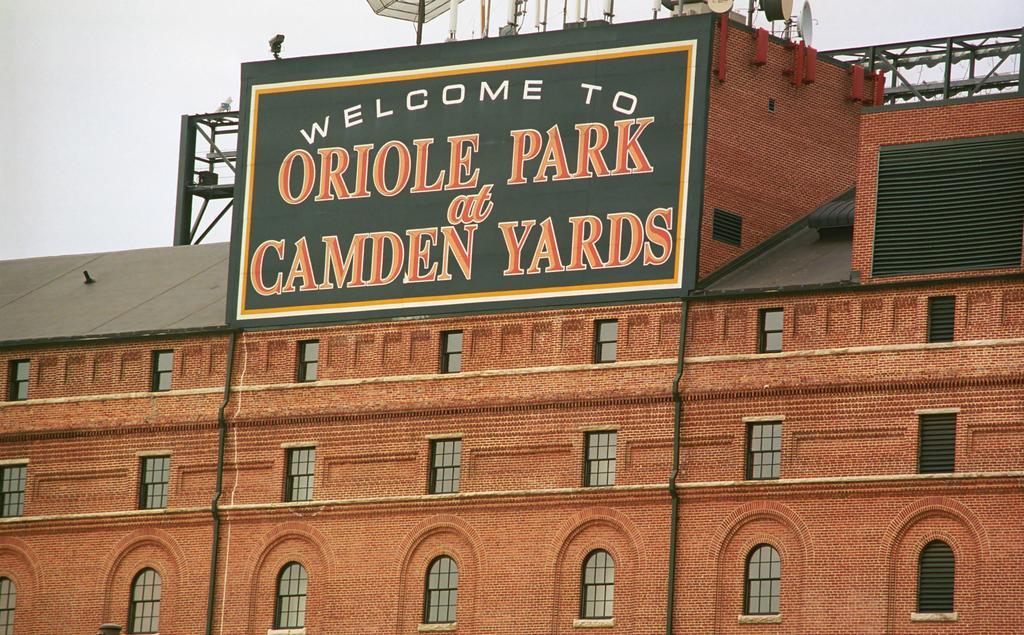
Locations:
944 68
206 172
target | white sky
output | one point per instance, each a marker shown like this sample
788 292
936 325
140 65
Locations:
92 91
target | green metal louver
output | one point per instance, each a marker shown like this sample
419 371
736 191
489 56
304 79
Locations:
935 578
950 206
941 318
727 227
937 439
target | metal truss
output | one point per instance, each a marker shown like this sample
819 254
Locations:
945 68
206 172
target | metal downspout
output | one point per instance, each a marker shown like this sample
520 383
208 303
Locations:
677 399
214 504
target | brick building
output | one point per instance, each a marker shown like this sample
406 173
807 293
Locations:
835 446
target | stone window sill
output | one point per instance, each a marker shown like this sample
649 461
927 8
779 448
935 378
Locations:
605 623
287 631
934 617
761 619
437 628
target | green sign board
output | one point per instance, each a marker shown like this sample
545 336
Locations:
541 170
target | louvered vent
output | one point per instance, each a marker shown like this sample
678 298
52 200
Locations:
950 206
941 316
935 578
937 443
727 227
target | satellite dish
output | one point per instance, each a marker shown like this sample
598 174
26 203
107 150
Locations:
777 9
805 27
720 6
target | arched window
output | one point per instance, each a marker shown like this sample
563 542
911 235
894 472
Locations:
935 578
764 578
291 596
597 595
7 596
441 591
144 612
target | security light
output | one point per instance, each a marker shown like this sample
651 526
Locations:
275 45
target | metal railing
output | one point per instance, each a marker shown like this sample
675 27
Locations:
944 69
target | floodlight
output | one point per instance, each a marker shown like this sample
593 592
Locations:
275 45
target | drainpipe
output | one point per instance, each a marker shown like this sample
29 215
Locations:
677 422
222 429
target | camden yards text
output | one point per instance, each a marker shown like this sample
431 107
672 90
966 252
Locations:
557 175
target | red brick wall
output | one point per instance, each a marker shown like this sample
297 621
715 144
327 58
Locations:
773 168
848 547
917 125
849 517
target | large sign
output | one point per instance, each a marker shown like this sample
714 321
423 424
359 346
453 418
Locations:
529 171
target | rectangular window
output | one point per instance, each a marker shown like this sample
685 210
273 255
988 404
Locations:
156 474
17 380
12 490
599 459
770 329
606 339
299 481
309 358
941 318
445 465
451 351
764 450
163 366
937 443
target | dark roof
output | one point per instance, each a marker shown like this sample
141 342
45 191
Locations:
142 290
836 213
815 251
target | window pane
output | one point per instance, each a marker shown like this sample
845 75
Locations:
454 342
773 320
454 363
445 462
608 331
8 599
311 351
309 356
763 584
299 481
441 591
608 351
599 466
165 361
145 603
605 337
451 352
291 597
598 588
18 380
12 490
765 453
156 473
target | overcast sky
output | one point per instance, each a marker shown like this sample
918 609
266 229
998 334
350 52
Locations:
91 91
